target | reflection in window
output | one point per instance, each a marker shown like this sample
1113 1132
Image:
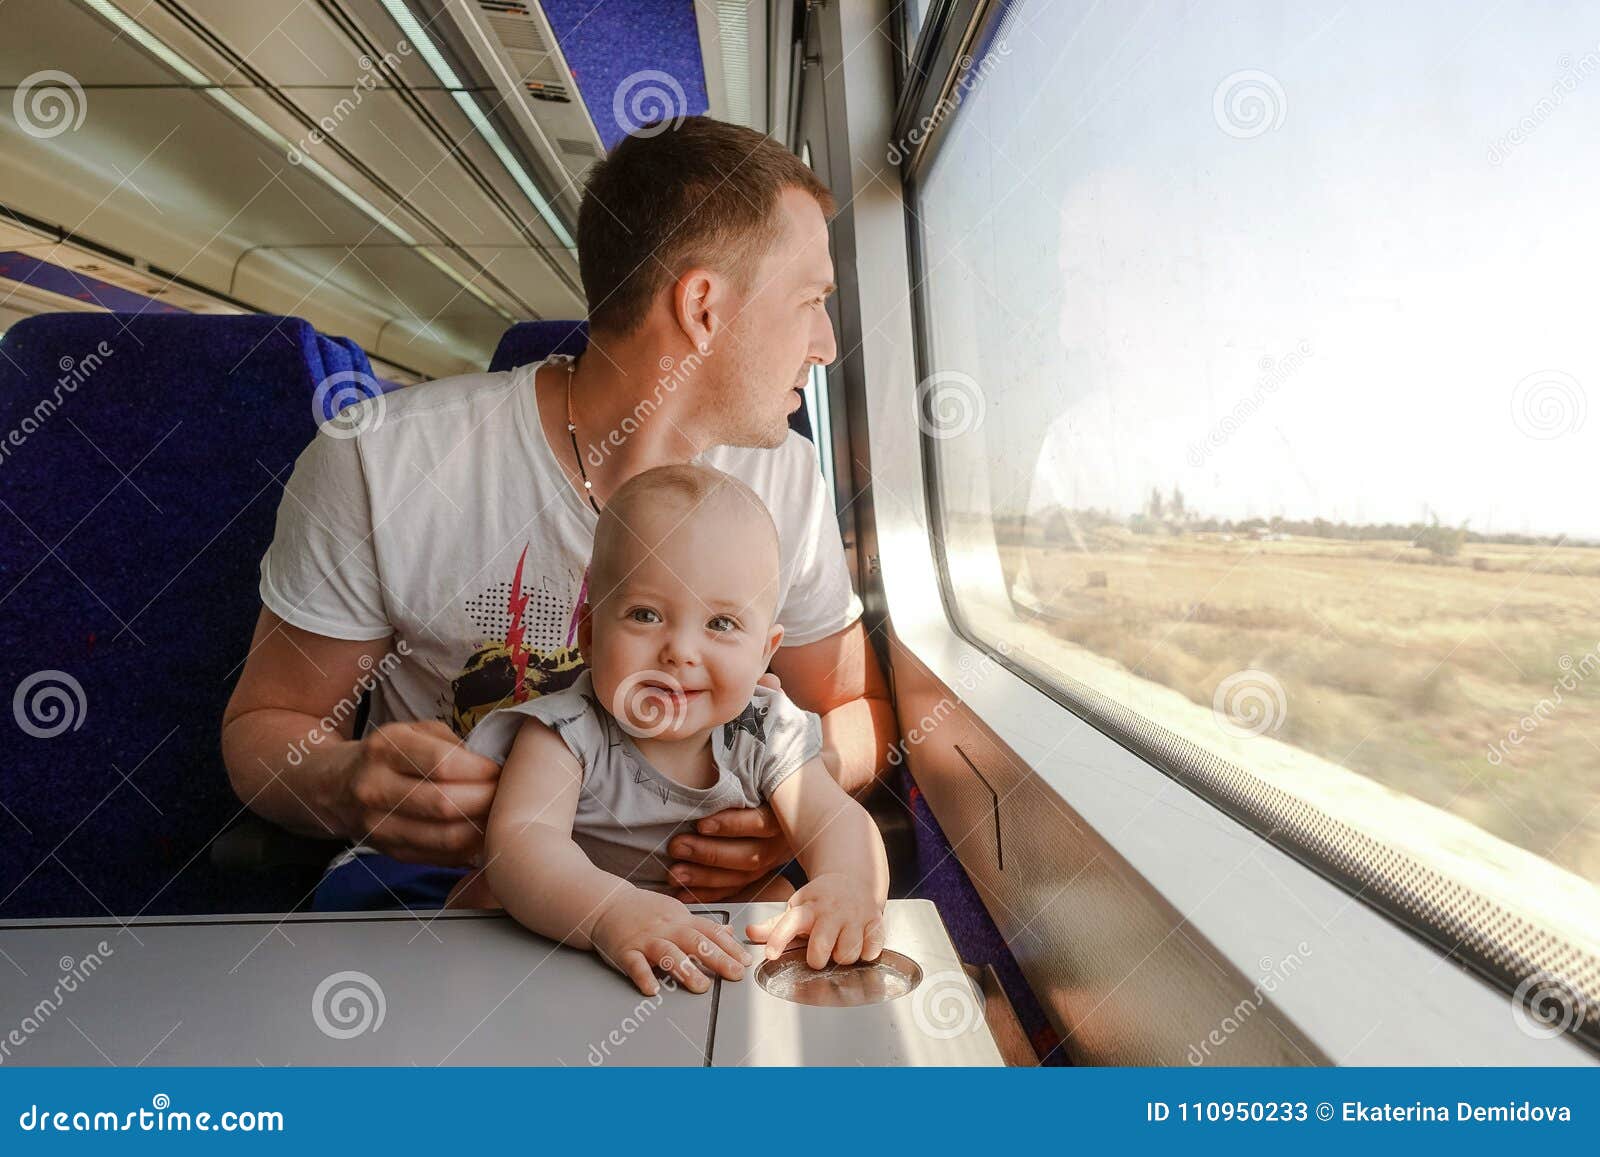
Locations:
1263 345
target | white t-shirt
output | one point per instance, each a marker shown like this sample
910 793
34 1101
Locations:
447 522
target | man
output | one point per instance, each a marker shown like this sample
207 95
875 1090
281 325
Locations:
444 544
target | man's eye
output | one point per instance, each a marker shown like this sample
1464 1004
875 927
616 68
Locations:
723 623
644 615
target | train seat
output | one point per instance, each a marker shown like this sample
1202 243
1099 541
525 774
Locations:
144 462
532 341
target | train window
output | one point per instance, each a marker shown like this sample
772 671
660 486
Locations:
1256 347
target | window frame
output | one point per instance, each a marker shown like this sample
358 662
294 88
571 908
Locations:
1465 927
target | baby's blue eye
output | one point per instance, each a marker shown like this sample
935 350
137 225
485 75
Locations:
723 623
644 615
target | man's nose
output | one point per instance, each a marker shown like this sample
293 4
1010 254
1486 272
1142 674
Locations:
824 348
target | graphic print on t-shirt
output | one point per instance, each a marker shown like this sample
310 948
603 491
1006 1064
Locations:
529 648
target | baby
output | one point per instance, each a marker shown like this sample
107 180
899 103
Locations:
668 725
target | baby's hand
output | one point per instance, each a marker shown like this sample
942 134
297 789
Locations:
641 931
839 916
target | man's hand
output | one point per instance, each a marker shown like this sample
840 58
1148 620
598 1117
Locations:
840 917
641 931
415 792
733 850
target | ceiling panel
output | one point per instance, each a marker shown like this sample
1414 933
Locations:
292 43
385 135
68 36
523 270
392 278
161 171
177 159
473 339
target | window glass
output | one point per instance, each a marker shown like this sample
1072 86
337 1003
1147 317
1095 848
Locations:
1261 349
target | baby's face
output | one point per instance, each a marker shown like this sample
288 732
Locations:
678 645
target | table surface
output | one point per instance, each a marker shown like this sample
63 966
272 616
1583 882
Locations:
437 988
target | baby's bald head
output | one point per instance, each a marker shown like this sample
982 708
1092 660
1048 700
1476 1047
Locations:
688 517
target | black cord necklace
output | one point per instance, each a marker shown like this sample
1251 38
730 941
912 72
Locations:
572 432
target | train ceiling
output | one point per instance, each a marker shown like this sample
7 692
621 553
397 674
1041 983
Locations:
402 172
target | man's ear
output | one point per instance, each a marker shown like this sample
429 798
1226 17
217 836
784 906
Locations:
697 297
585 631
773 640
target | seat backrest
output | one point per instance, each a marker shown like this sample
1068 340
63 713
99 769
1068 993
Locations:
533 341
142 459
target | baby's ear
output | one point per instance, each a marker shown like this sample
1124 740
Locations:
774 638
585 631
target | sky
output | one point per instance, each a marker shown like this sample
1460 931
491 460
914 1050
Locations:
1384 246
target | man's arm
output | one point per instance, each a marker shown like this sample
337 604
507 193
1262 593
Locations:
839 679
410 789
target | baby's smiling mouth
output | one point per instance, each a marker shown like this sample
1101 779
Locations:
672 691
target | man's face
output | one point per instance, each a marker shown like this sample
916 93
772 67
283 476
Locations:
778 330
676 648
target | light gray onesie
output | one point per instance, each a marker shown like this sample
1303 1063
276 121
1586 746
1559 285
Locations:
627 810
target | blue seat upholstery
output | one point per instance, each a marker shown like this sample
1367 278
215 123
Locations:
533 341
143 459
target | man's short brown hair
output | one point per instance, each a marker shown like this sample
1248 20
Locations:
670 198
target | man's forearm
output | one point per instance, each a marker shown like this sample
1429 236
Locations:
861 732
283 766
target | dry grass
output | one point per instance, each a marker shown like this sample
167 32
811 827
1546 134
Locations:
1396 665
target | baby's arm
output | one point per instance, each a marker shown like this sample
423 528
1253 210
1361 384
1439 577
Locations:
549 885
840 911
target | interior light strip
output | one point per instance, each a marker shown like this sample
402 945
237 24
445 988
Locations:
423 43
227 100
155 47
